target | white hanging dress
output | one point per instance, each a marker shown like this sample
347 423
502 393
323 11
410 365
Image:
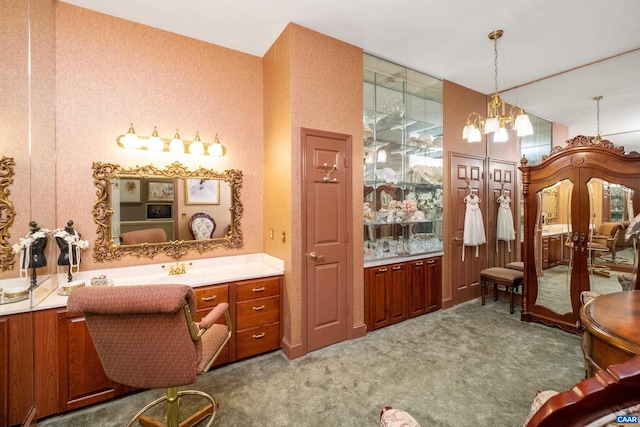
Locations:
505 229
473 225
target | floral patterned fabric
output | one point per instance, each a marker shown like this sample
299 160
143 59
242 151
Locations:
390 417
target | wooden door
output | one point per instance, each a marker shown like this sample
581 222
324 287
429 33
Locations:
467 174
502 181
327 218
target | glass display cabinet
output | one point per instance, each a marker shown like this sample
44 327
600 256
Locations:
402 161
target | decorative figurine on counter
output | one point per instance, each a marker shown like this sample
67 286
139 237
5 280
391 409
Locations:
31 249
70 243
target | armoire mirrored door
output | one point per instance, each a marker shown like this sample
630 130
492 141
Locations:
578 204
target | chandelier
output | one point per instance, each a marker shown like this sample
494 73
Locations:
496 121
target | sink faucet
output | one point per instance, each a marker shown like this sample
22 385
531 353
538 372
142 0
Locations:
174 270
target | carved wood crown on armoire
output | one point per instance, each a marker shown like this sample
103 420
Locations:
568 200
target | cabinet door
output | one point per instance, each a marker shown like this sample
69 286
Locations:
433 284
417 288
378 297
208 297
82 378
545 253
398 293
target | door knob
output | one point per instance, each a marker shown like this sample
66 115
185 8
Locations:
315 256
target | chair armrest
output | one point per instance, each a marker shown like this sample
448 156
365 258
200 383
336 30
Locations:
213 316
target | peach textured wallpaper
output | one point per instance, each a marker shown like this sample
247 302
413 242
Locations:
311 81
111 72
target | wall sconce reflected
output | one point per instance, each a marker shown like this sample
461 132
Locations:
382 156
177 145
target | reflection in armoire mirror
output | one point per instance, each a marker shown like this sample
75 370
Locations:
27 129
573 243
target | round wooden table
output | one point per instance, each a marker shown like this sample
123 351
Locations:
611 325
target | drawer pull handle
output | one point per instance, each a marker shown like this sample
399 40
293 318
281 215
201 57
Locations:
431 262
211 298
382 270
420 263
258 289
259 336
397 268
259 308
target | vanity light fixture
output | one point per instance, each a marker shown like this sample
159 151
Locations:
177 145
496 120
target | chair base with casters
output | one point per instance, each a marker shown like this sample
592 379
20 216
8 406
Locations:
146 338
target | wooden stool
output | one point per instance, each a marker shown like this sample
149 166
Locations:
507 277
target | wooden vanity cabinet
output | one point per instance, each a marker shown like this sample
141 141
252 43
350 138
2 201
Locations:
16 370
68 372
398 291
258 311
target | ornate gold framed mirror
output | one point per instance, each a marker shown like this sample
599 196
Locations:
150 201
7 213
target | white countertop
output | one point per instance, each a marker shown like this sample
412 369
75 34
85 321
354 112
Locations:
199 273
392 260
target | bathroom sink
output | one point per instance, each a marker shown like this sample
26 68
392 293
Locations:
184 279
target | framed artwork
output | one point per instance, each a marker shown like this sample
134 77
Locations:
159 210
160 192
130 190
202 191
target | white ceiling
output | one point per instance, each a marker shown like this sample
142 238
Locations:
448 40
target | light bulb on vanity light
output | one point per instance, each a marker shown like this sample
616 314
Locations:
155 143
131 140
500 135
196 146
215 149
176 146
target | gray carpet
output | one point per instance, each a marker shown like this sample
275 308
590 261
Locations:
470 365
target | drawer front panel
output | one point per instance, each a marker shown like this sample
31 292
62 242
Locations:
257 340
210 296
257 288
257 312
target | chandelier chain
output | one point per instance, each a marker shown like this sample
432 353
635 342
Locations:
495 62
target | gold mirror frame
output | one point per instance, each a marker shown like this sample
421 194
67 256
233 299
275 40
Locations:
7 213
105 250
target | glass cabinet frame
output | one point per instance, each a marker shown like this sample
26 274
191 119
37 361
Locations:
403 161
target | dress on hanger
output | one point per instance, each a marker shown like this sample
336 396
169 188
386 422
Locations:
505 229
473 225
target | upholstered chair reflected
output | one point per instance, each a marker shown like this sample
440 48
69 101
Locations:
201 226
146 338
605 238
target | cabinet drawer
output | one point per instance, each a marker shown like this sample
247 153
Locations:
257 312
210 296
257 288
257 340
